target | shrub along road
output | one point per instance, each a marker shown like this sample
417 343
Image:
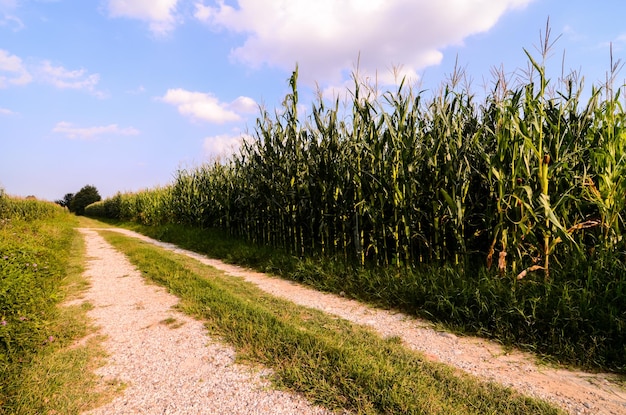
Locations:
576 392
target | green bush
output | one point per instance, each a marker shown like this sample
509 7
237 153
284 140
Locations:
85 196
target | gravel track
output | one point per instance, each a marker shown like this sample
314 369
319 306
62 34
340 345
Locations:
165 358
184 353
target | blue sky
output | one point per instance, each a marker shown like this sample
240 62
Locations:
120 94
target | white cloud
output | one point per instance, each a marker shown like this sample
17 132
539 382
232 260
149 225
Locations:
63 78
4 111
158 13
326 36
12 21
619 42
7 18
244 105
224 145
137 91
206 107
203 13
12 70
87 133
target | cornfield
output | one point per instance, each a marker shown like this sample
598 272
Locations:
15 208
520 181
527 184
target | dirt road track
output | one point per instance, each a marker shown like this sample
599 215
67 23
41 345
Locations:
577 392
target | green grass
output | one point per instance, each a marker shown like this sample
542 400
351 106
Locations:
330 361
43 370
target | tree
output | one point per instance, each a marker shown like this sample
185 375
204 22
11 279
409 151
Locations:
85 196
66 201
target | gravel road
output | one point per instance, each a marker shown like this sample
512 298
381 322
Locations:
165 358
182 371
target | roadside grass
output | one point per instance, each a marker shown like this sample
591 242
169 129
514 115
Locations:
329 360
85 222
44 367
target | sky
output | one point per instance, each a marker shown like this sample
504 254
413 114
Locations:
120 94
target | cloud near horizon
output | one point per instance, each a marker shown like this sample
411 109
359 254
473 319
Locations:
327 37
206 107
88 133
224 145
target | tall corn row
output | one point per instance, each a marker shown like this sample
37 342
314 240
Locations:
363 165
329 155
398 144
450 142
25 209
510 162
